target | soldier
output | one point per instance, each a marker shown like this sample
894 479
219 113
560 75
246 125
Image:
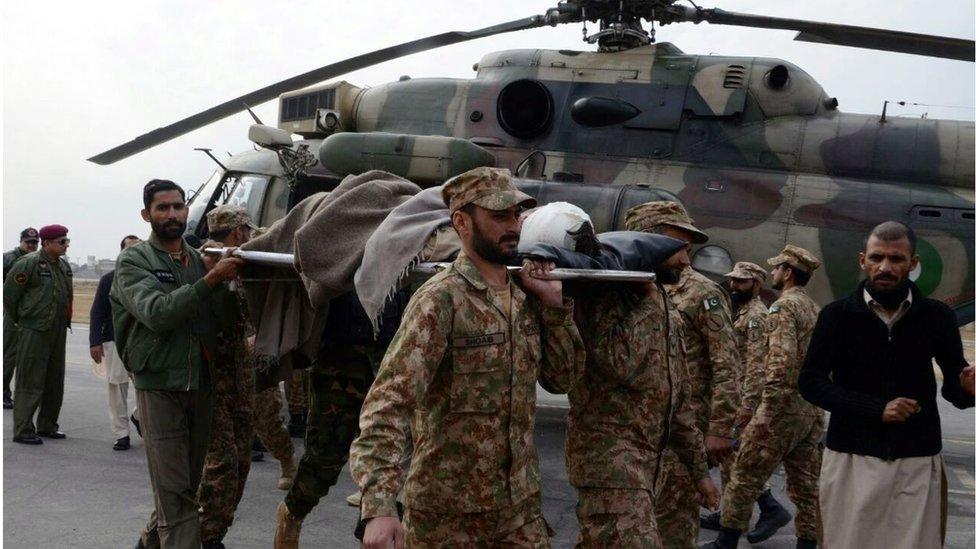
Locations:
28 244
749 322
339 379
631 404
37 296
713 367
228 458
461 374
785 429
163 312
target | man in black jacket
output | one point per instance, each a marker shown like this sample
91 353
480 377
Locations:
870 365
101 347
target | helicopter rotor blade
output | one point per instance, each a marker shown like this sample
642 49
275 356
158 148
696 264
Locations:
239 104
840 35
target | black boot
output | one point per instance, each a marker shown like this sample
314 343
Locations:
806 543
728 538
711 521
772 517
257 446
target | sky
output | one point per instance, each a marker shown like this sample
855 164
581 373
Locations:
79 78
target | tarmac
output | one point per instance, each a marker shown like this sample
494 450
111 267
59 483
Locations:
78 492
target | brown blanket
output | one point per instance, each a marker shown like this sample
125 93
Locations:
327 232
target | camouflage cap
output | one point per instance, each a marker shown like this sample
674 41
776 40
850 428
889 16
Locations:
797 257
490 188
664 212
746 270
228 217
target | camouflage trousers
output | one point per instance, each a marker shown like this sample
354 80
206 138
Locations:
296 392
795 442
339 383
616 518
519 526
676 504
269 425
228 458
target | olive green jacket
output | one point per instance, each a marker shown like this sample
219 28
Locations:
162 312
38 291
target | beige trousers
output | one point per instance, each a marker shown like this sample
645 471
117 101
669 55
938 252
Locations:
870 503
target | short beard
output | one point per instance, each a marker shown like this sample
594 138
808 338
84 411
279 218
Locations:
668 276
491 251
169 230
741 298
778 285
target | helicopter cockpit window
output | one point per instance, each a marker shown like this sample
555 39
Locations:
713 262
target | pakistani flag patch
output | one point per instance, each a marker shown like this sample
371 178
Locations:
774 308
710 303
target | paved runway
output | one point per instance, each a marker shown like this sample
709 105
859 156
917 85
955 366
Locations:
78 492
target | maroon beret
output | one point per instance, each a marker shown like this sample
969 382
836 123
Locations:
50 232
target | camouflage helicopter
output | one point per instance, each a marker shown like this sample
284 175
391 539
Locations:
755 148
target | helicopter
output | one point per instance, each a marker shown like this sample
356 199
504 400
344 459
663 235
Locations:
754 148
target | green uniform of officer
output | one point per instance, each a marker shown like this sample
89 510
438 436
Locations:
28 244
37 297
163 312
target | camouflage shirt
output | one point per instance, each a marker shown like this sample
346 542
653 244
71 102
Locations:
750 334
461 375
633 399
789 327
712 357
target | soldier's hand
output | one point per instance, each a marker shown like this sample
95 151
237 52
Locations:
225 269
717 448
967 378
899 409
96 353
383 532
708 494
533 278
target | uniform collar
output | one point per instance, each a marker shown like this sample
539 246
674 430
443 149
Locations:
793 290
43 255
466 268
687 274
748 306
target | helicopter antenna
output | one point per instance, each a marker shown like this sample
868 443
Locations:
254 116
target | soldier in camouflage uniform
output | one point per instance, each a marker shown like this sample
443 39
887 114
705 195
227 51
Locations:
461 374
785 429
28 244
632 403
713 368
749 322
228 460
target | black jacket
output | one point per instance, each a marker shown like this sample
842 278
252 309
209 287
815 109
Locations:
855 366
100 318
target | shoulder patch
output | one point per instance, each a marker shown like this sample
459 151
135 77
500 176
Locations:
711 303
775 308
166 277
755 322
20 278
